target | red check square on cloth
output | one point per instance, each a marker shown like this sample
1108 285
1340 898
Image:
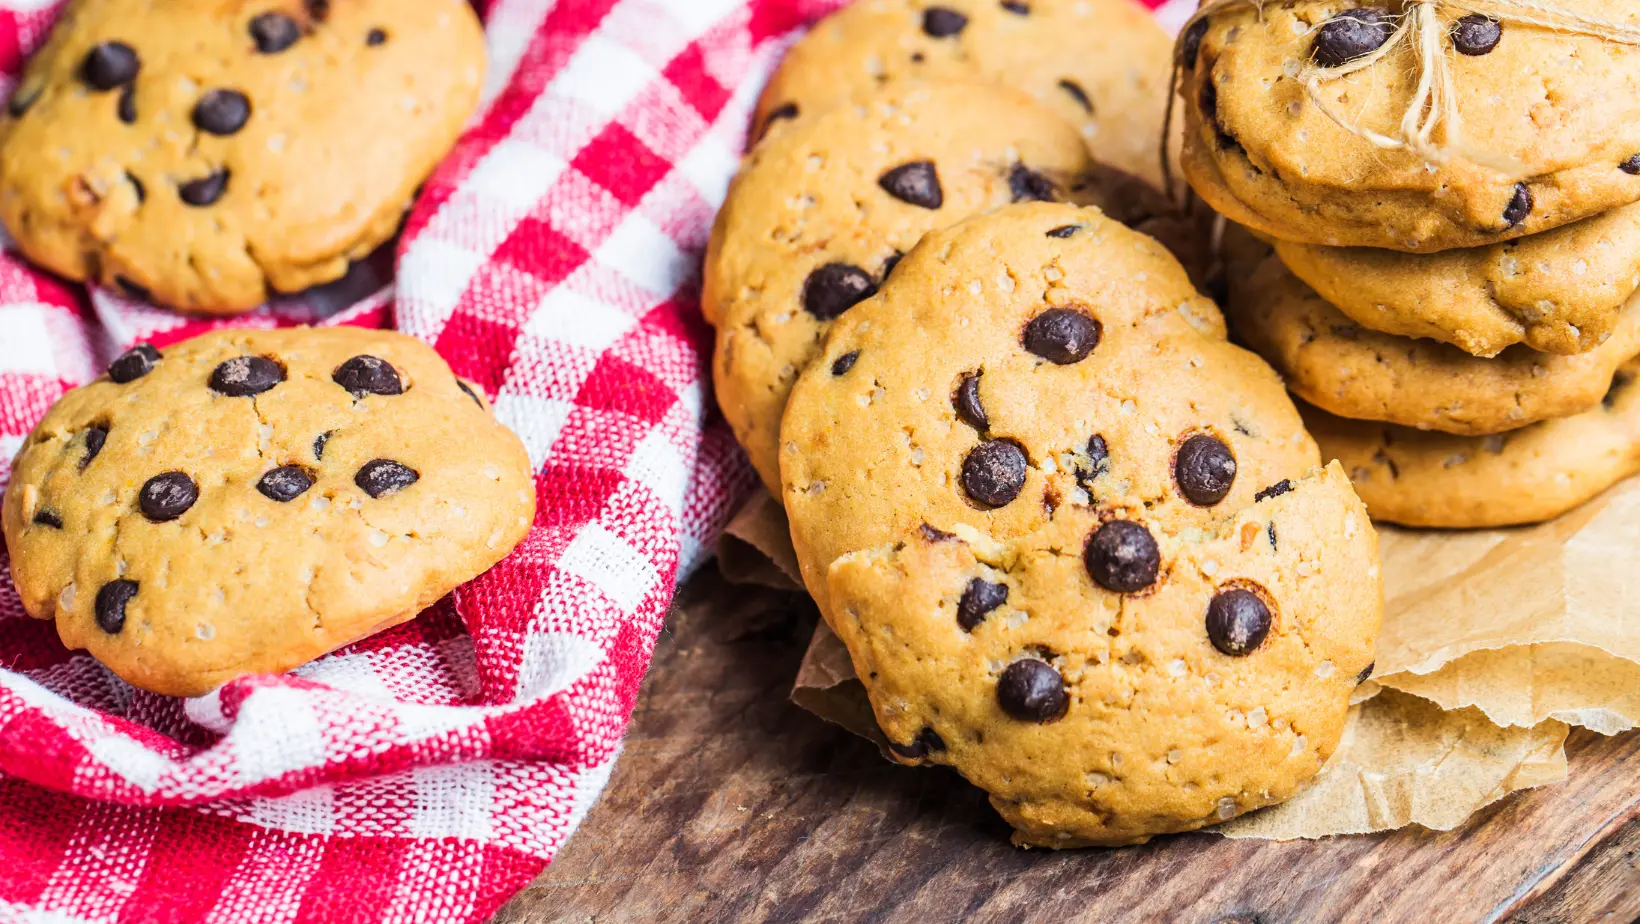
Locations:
430 772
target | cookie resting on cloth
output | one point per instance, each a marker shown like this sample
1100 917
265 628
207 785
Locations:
1101 65
1550 125
1334 363
246 501
1419 478
1071 535
206 155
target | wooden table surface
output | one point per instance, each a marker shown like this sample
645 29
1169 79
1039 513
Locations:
731 804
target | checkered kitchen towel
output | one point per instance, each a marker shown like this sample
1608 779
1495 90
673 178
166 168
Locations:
430 772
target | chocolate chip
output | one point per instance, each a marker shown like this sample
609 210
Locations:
1017 7
835 288
1032 691
274 32
889 264
111 600
1476 34
1365 673
222 112
1631 166
134 363
1350 35
204 190
1191 45
1062 335
1064 231
319 444
845 362
1270 531
1237 622
1098 463
993 473
933 534
95 437
1027 185
1276 490
1520 206
943 22
44 517
167 496
132 289
384 476
368 375
244 376
375 37
285 483
468 391
966 402
1204 470
1077 93
318 9
979 598
21 99
110 65
917 183
1122 556
136 184
926 740
126 108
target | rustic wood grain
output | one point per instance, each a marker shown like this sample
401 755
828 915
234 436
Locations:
730 804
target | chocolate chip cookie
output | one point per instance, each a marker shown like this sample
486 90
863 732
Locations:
1561 291
1060 481
1334 363
1550 125
1101 64
819 216
208 154
246 501
1081 700
1537 473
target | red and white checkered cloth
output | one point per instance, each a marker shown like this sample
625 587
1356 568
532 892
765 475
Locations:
430 772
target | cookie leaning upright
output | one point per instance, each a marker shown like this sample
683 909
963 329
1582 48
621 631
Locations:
247 501
820 212
209 154
1543 127
1069 533
1100 64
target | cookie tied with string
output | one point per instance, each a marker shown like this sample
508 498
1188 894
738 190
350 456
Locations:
1418 126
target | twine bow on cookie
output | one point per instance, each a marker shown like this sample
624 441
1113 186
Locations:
1434 102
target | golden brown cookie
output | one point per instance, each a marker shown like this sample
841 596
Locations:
209 154
820 213
1084 713
1070 501
1334 363
1101 64
247 501
1561 291
1537 473
1550 125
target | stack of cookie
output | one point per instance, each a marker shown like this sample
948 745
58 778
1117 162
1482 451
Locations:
1449 281
1068 532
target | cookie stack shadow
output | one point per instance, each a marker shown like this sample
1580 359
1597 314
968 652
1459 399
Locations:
1462 332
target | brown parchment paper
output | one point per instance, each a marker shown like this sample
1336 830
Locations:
1493 643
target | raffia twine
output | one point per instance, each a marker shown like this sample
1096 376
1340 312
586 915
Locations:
1431 126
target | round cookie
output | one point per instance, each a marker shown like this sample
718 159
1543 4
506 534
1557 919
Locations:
1032 487
1418 478
208 154
1550 124
246 501
882 430
1561 291
1336 364
818 216
1084 713
1101 64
